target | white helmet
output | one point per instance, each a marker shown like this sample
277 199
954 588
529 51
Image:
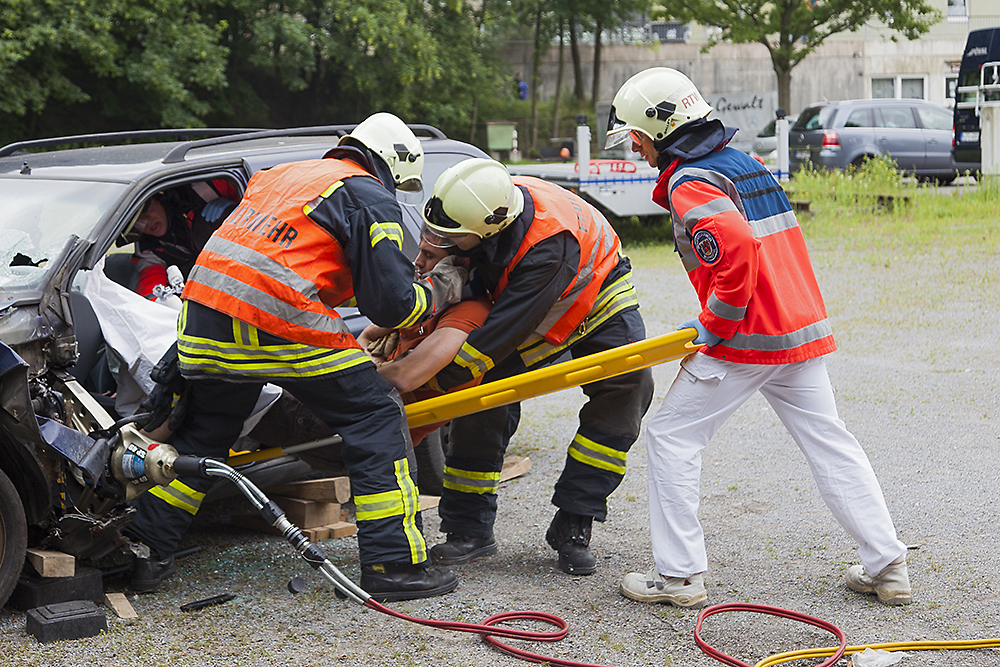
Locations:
655 102
475 196
388 136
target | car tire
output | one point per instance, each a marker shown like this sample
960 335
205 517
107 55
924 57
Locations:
13 537
946 180
430 455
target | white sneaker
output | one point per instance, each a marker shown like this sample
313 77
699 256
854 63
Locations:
892 584
685 592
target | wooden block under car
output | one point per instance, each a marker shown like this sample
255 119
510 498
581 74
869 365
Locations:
119 604
514 466
316 533
65 620
308 513
329 489
52 563
343 529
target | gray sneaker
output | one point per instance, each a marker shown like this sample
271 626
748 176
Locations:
892 584
684 592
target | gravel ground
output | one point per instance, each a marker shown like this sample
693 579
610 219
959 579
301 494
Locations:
916 379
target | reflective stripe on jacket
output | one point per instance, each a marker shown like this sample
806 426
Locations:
744 252
271 266
556 211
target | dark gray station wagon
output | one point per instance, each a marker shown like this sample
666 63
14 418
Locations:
838 135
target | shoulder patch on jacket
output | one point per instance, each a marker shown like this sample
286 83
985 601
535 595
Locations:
705 246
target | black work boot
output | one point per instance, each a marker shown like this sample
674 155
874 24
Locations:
149 573
569 534
389 582
462 548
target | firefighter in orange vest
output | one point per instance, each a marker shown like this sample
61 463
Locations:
552 265
764 323
259 307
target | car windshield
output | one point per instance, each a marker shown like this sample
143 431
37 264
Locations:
814 118
39 216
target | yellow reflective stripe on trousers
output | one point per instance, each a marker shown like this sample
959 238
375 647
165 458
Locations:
179 495
471 481
402 501
591 453
411 505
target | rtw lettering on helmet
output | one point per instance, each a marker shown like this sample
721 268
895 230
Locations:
690 100
268 226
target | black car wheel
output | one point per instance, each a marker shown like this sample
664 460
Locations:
13 537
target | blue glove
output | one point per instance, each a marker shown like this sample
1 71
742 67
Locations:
213 211
704 335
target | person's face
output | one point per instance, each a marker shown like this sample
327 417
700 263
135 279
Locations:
643 144
153 220
428 257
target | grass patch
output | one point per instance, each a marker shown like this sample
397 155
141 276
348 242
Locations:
873 206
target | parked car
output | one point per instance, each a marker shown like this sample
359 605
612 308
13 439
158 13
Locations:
839 135
765 144
63 211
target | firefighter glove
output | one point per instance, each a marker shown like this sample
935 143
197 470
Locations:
446 281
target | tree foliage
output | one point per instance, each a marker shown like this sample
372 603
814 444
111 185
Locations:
75 66
59 54
792 29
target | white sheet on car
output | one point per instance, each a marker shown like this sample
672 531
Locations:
140 331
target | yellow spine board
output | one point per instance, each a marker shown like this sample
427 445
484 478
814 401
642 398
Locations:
594 367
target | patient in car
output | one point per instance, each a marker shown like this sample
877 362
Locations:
171 229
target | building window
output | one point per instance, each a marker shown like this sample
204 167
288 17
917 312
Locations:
950 84
957 10
883 88
671 31
899 87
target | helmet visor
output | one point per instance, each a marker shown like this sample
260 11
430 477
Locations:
435 215
436 239
617 130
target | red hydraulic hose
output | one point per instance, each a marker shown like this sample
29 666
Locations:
490 631
772 611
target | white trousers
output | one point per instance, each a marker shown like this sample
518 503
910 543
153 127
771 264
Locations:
704 394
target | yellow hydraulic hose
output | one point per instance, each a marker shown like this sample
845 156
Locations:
804 654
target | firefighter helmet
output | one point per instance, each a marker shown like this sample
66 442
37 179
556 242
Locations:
654 102
475 196
395 143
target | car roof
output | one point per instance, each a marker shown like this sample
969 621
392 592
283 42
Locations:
120 159
878 101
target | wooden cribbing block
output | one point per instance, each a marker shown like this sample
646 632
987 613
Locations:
343 529
429 502
335 529
308 513
514 466
52 563
119 604
330 489
317 534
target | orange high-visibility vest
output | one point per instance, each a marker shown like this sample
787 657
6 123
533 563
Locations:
557 210
271 266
